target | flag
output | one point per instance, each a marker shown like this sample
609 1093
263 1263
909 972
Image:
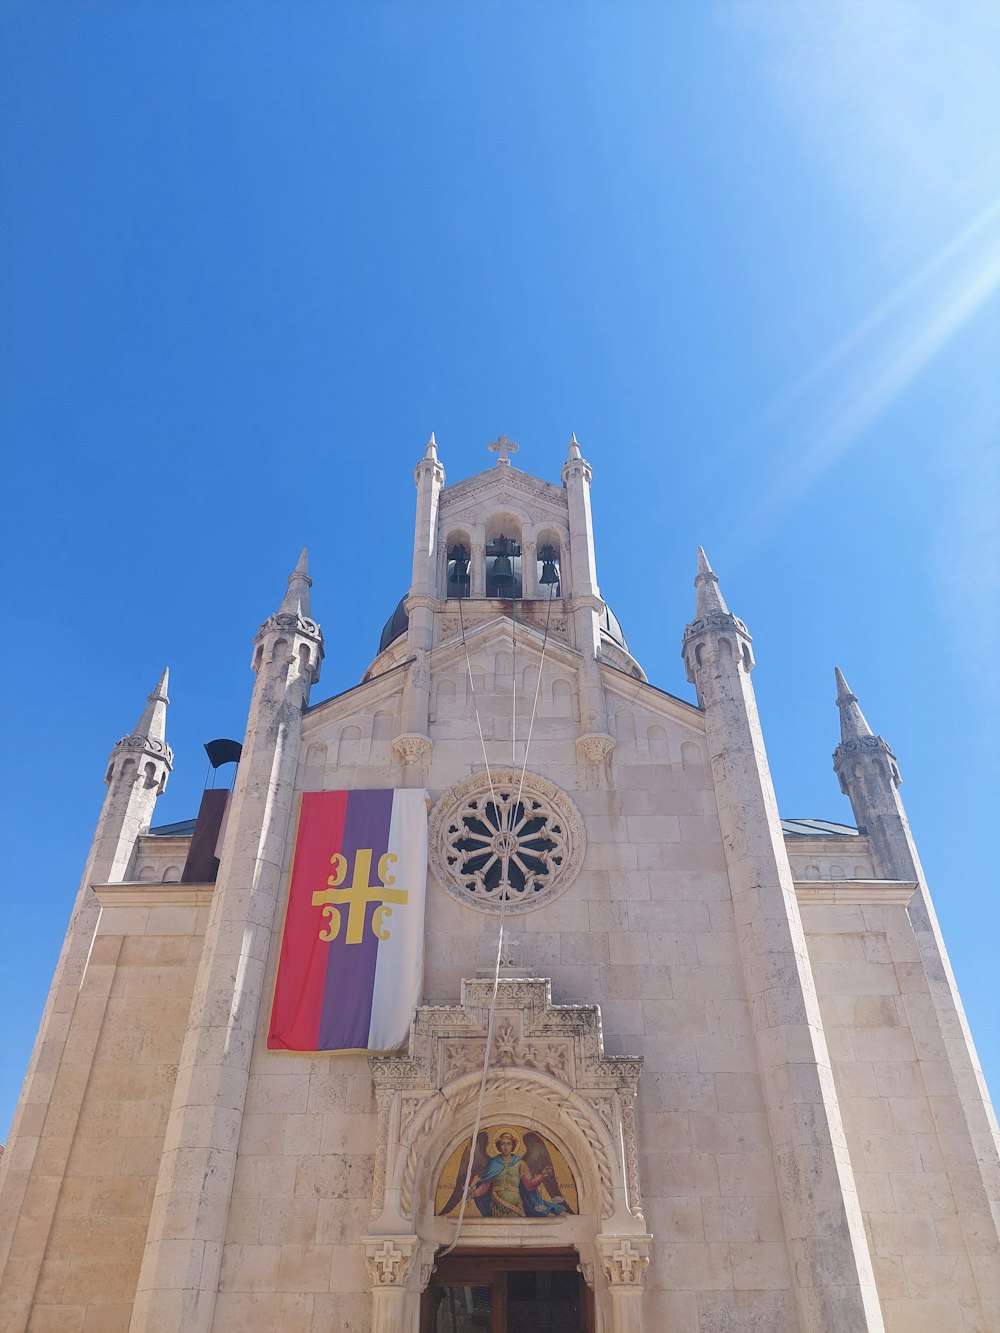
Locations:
351 961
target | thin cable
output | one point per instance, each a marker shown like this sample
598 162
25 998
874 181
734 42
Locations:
503 906
496 970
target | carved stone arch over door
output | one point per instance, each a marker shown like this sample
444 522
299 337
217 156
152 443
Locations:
548 1075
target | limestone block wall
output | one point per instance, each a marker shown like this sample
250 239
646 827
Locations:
931 1235
646 931
78 1251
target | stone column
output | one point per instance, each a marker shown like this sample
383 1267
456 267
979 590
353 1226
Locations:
395 1305
625 1260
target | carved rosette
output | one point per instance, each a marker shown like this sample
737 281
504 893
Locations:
517 839
595 747
412 748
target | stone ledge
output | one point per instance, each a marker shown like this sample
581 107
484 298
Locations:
855 892
142 893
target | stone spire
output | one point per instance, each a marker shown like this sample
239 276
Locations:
297 596
574 448
709 598
152 724
852 721
431 448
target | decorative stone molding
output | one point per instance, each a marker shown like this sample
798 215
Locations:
486 844
294 623
550 1057
148 744
389 1259
862 747
412 748
595 747
624 1259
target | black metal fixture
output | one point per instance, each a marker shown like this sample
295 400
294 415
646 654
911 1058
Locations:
458 571
550 566
502 574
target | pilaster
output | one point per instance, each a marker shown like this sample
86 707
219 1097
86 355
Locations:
831 1265
181 1265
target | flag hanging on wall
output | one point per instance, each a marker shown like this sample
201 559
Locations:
349 972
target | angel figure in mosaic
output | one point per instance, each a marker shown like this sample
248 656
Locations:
508 1183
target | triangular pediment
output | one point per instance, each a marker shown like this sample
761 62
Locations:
498 487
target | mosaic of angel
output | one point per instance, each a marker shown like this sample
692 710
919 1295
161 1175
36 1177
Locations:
513 1175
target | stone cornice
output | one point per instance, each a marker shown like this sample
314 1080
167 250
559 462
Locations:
856 892
139 893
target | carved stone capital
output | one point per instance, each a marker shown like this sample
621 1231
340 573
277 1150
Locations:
624 1259
412 748
595 747
389 1259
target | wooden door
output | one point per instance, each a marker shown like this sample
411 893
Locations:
513 1292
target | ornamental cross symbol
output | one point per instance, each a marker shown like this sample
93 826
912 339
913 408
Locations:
357 897
504 447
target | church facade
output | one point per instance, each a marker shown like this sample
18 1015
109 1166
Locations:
674 1063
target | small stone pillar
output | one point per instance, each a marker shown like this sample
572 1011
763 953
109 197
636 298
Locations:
390 1264
625 1260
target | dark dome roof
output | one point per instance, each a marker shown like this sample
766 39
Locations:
611 627
397 624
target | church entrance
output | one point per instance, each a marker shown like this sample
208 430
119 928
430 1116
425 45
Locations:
514 1292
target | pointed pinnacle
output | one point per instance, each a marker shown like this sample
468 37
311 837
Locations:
296 597
853 724
153 720
574 447
709 596
431 449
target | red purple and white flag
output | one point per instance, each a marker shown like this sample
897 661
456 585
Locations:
351 962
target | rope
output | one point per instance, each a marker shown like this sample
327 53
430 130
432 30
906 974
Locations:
491 1017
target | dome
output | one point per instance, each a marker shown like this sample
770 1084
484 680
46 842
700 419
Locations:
611 627
397 625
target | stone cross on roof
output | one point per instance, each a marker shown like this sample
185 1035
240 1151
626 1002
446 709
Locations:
504 447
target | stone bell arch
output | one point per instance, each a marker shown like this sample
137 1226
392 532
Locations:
547 1072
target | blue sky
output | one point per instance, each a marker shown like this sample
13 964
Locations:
252 254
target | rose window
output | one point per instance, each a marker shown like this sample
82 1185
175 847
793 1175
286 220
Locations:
514 843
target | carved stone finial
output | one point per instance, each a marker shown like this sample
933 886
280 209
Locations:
574 447
504 447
